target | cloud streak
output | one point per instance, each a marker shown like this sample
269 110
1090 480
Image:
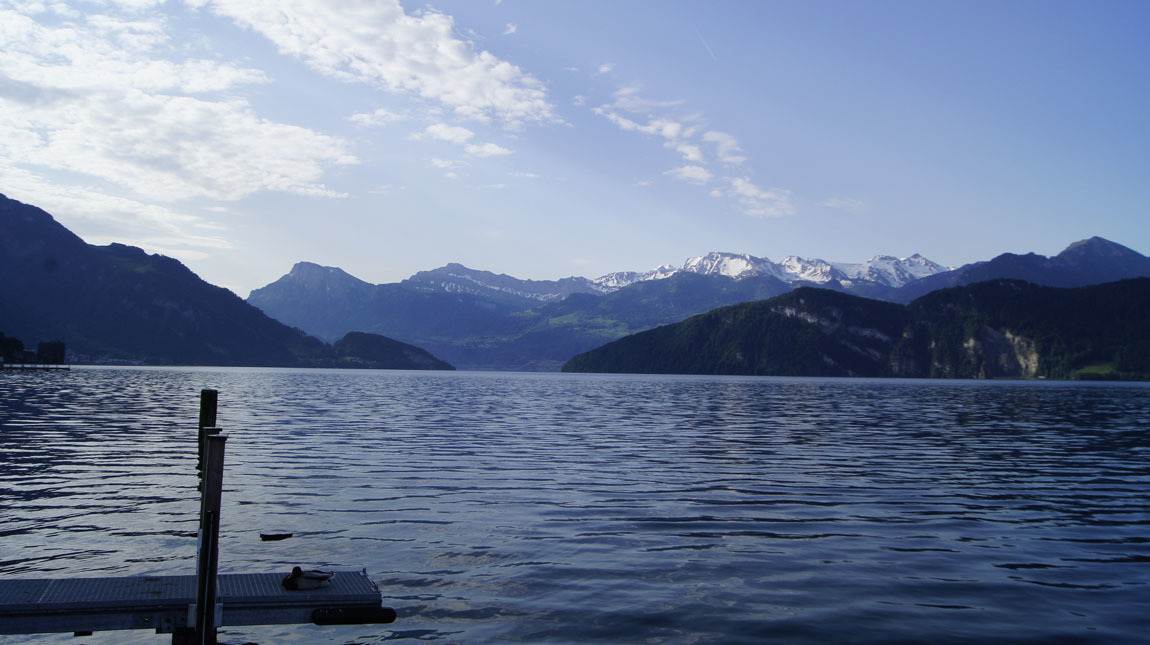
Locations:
378 43
630 111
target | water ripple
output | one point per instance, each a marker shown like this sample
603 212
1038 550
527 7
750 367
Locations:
576 508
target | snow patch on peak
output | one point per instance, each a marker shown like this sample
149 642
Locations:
882 269
619 279
732 265
891 271
810 270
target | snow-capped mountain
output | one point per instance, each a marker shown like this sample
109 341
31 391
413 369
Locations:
619 279
884 270
892 271
731 265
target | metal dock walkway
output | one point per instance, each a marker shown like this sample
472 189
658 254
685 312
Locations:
29 606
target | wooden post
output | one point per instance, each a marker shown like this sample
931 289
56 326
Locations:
208 559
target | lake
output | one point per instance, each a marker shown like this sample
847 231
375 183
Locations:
618 509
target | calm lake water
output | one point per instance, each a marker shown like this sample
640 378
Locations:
618 509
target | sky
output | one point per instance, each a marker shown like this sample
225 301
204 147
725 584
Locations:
551 139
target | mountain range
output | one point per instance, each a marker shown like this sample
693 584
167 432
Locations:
482 320
117 303
879 272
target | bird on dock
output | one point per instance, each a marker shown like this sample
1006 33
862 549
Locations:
299 579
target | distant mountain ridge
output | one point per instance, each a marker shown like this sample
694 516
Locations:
882 270
456 278
482 320
1091 261
879 271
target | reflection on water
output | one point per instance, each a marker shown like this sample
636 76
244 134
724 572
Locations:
561 508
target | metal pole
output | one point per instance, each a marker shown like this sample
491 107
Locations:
209 555
208 400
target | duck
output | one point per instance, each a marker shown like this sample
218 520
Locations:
299 579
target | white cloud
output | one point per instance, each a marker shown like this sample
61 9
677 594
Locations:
511 29
447 164
102 218
629 98
685 133
97 98
665 128
444 132
487 150
727 147
606 68
378 43
775 202
695 174
526 175
461 136
103 51
689 151
381 116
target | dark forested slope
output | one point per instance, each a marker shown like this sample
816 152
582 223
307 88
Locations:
1001 328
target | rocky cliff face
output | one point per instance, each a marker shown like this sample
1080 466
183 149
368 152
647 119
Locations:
1002 353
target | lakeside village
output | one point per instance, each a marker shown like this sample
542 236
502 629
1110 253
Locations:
48 355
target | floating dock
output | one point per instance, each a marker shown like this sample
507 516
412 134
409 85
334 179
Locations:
189 607
162 603
33 367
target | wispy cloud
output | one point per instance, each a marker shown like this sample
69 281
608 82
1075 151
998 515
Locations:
689 151
685 133
726 147
707 47
487 150
695 174
378 43
381 116
445 132
447 164
461 136
775 202
510 29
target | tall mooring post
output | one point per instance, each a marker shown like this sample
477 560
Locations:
207 589
202 616
208 402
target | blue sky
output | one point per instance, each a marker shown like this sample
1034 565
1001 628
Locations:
547 139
